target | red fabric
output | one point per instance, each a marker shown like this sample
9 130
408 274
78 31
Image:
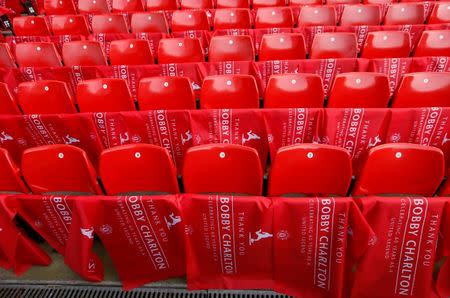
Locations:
356 130
228 242
443 279
291 126
310 31
231 126
310 244
22 132
423 126
67 224
437 64
394 68
17 251
169 129
144 237
402 261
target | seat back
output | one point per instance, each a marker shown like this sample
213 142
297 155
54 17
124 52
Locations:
151 22
8 104
162 5
59 7
282 46
138 168
222 168
361 15
440 13
185 20
317 16
274 17
127 5
405 14
45 97
110 23
423 89
231 48
37 54
305 2
359 90
166 93
334 45
232 18
310 169
31 26
83 53
10 179
229 92
267 3
232 3
93 6
70 25
6 58
130 52
401 169
104 95
59 169
384 44
433 43
196 4
294 90
180 50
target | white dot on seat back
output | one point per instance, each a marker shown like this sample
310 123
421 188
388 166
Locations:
232 14
222 154
46 88
131 45
273 13
310 155
70 20
403 9
358 81
385 37
84 47
60 155
398 155
426 80
293 82
38 48
166 84
228 83
190 16
441 36
282 39
180 44
32 21
110 19
359 10
231 42
333 39
316 11
149 18
137 155
105 86
94 1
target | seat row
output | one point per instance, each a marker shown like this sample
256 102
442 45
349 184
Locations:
354 89
310 169
283 46
277 17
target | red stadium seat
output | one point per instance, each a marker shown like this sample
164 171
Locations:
222 168
31 26
317 16
440 13
162 5
310 169
104 95
57 169
401 169
180 50
293 91
45 97
358 15
59 7
111 23
93 6
130 52
83 53
229 92
70 25
433 43
305 2
37 54
386 44
166 93
233 4
359 90
334 45
152 22
231 48
232 18
282 46
405 14
345 2
268 3
10 180
185 20
196 4
6 58
138 169
8 104
274 17
127 5
423 89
